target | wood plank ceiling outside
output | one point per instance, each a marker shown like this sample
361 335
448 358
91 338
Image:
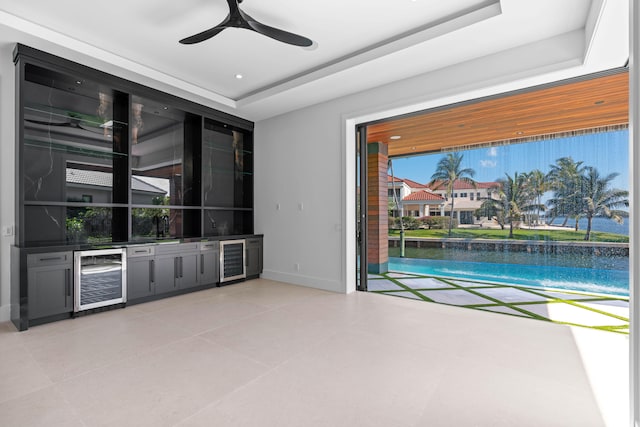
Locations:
581 105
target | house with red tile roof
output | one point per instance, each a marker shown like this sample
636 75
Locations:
415 199
467 198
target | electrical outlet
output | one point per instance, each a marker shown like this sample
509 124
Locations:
7 231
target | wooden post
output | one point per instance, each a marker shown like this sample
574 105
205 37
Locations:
378 208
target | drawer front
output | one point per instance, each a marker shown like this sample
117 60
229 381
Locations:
136 251
209 246
51 258
163 249
254 241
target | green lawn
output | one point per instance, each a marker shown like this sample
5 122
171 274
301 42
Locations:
483 233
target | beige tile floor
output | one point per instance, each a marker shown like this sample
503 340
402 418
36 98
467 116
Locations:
263 353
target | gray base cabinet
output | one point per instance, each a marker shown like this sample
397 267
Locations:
209 263
177 267
141 272
253 256
49 281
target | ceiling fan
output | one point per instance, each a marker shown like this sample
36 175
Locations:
239 19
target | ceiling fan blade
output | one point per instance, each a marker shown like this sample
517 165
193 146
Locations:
280 35
205 35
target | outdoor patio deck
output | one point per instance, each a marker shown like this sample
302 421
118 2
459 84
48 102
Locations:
596 311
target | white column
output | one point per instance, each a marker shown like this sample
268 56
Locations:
427 211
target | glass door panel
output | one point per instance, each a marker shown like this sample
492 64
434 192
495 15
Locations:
227 167
70 121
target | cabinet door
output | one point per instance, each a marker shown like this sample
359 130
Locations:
253 256
50 290
140 277
209 267
166 273
189 275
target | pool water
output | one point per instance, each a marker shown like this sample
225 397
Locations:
597 280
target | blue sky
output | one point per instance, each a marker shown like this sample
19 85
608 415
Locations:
608 152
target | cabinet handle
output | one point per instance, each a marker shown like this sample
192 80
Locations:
67 281
55 258
152 278
201 264
181 269
176 272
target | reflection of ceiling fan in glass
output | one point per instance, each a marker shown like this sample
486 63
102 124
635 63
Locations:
72 120
239 19
73 123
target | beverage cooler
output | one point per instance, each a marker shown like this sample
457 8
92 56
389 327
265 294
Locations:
232 260
100 278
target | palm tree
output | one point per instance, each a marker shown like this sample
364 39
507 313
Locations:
448 172
538 185
565 179
600 200
513 198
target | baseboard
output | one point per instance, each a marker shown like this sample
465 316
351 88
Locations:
5 313
302 280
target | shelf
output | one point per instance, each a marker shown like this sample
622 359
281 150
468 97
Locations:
74 204
230 209
51 116
224 149
74 148
219 171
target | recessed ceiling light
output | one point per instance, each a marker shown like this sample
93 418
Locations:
394 137
239 76
78 82
519 132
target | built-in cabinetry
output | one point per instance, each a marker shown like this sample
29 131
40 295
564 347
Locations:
50 285
103 162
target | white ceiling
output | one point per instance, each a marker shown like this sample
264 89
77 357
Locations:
358 44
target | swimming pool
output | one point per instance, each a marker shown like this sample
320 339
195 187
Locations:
596 280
